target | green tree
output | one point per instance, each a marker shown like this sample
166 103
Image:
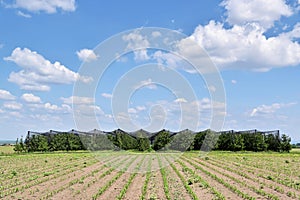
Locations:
273 142
285 143
210 140
161 141
238 143
17 147
143 144
182 141
224 141
198 140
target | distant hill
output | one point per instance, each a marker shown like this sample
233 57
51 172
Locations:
2 142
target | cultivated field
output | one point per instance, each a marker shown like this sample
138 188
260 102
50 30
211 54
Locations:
216 175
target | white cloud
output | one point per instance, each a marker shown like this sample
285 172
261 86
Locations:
146 83
263 12
48 6
180 100
173 61
141 108
87 55
50 108
31 98
212 88
55 108
38 72
245 44
106 95
138 44
243 47
13 105
294 33
265 110
156 34
132 110
233 81
78 100
87 110
15 114
6 95
20 13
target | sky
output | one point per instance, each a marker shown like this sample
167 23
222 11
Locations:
50 48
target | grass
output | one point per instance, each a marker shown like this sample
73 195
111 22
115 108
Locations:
6 150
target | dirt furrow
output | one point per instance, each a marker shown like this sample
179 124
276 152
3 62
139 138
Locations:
269 186
227 193
155 185
236 183
134 191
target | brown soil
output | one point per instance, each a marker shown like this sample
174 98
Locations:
176 187
24 181
228 194
241 187
268 185
74 190
36 191
135 189
155 186
57 183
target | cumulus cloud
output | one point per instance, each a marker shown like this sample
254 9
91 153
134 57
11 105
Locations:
13 105
78 100
233 81
6 95
141 108
265 13
55 108
138 44
48 6
244 47
31 98
106 95
146 83
132 110
180 100
264 110
38 72
173 61
244 44
86 55
190 112
20 13
158 34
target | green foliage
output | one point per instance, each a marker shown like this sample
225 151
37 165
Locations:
123 140
57 142
161 140
257 141
285 143
19 146
273 141
143 144
210 141
182 141
164 140
198 140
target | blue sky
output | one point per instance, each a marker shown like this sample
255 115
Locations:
255 45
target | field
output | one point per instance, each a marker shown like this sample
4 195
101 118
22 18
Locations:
6 150
111 175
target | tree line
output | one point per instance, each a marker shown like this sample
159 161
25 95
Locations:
163 140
